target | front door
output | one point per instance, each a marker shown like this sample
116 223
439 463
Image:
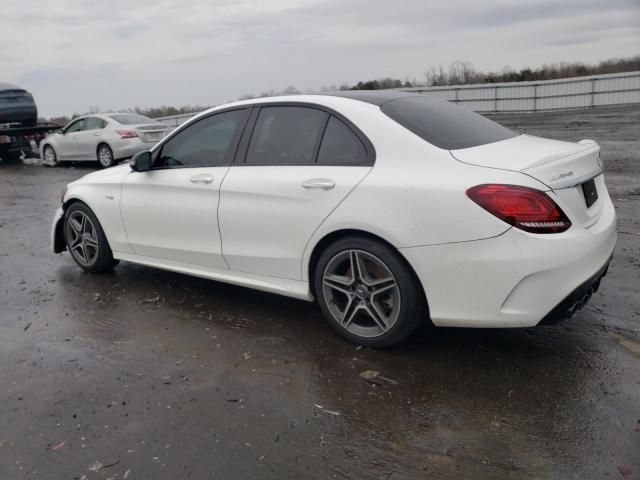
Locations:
300 163
68 145
170 213
86 141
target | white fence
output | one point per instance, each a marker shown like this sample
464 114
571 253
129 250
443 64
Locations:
566 93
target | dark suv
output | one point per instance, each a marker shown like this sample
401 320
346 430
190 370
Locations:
17 106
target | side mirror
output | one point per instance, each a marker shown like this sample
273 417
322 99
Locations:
141 161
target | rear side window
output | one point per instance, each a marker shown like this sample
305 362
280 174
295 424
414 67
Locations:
286 136
93 123
340 146
443 124
206 143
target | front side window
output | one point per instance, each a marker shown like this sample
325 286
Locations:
340 146
76 126
286 136
206 143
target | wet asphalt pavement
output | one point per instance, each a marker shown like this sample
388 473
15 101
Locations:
145 374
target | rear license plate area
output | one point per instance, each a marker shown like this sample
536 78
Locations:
590 192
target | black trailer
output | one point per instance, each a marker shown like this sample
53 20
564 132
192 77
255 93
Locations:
17 141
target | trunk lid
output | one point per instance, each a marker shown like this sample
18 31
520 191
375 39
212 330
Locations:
566 168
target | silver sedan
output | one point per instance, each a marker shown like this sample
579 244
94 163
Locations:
105 138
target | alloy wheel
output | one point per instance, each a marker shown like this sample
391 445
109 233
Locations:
49 156
83 238
105 157
361 293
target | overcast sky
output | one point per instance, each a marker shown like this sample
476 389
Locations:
117 54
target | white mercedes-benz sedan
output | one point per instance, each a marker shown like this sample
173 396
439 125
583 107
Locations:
106 138
389 209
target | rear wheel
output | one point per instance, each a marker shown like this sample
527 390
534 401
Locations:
368 292
86 241
105 156
50 156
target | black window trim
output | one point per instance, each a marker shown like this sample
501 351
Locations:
233 146
243 147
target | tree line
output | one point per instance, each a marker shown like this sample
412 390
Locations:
457 73
463 73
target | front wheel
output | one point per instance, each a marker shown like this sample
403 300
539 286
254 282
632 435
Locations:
50 157
368 292
86 241
105 156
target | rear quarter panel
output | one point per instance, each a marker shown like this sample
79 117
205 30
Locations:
415 194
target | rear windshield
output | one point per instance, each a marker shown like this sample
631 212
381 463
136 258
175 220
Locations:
131 118
444 124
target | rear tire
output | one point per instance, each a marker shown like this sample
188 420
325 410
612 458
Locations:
50 156
105 156
367 292
86 241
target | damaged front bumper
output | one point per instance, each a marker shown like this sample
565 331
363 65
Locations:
58 243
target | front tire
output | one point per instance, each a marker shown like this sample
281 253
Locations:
367 292
105 156
50 156
86 240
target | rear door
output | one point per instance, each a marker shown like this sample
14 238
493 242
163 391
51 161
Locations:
171 212
296 163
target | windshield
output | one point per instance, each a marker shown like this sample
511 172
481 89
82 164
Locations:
131 118
444 124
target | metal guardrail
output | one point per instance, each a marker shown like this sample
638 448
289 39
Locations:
561 94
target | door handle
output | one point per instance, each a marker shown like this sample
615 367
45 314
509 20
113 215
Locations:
97 134
323 183
201 179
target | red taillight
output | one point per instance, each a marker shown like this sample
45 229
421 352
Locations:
127 133
523 207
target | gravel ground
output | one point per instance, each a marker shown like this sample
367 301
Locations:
144 374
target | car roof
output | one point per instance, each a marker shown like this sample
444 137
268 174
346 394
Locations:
327 99
375 97
10 86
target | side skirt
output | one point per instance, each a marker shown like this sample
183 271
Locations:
280 286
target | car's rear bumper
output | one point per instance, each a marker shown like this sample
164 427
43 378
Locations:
127 148
515 279
576 299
